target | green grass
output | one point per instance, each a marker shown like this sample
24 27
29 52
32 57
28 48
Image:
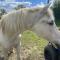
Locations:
31 38
37 44
32 47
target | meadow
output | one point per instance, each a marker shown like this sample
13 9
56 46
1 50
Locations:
32 47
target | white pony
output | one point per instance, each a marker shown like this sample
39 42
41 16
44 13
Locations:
39 20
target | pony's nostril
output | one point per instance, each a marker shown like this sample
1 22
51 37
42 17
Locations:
1 58
51 22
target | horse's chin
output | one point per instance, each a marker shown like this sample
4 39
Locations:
54 38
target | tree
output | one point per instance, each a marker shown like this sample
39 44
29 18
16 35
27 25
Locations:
2 12
56 10
20 6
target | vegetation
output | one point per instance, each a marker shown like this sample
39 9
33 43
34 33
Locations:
20 6
2 12
32 47
57 12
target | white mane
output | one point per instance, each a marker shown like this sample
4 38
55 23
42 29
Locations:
13 21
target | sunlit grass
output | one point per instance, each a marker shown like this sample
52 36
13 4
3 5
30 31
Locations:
29 37
32 47
30 41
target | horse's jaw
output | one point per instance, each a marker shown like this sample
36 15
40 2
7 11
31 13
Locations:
56 37
52 35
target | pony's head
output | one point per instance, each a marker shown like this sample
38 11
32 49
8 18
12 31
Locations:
46 26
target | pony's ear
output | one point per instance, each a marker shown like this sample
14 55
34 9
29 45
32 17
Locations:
45 8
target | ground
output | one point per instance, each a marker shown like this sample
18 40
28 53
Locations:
32 47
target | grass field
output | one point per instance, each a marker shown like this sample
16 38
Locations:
32 47
35 44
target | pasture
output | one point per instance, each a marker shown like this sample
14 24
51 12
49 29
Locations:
32 47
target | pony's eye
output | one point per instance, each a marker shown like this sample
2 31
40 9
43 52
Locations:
51 22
